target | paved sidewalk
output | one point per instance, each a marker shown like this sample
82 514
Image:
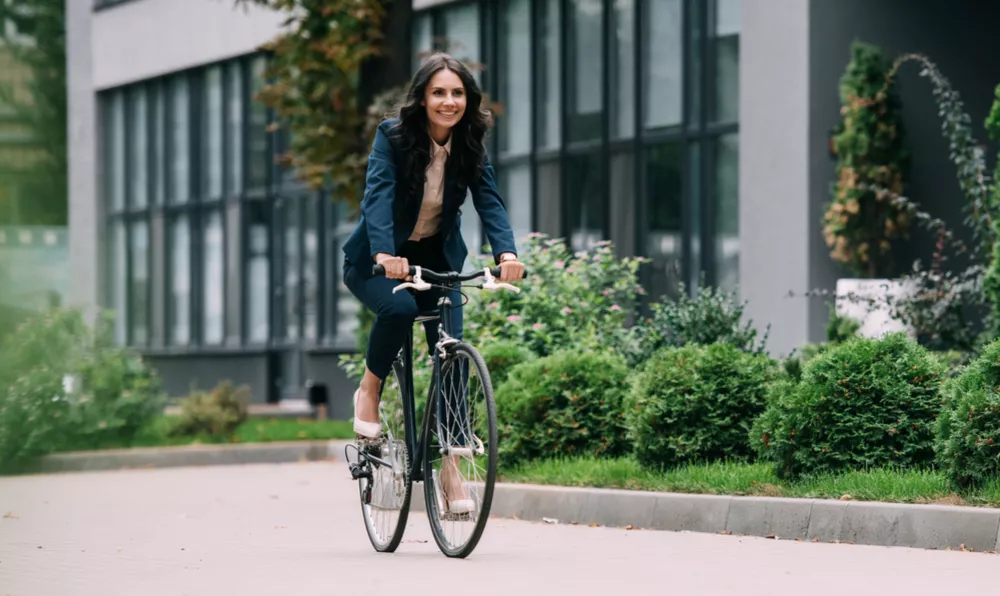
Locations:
296 528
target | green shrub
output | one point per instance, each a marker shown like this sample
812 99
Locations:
864 403
968 430
712 316
569 300
216 413
68 386
566 404
696 404
502 357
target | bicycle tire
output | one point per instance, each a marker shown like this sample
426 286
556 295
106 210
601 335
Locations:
390 545
430 489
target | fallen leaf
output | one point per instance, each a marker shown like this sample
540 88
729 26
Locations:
725 532
771 537
846 497
595 525
10 516
573 523
815 539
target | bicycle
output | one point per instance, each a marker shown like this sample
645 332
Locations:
387 467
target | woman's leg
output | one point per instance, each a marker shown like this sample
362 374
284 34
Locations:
394 314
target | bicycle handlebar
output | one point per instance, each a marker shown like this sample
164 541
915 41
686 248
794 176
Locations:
450 276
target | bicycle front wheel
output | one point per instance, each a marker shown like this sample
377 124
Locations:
460 457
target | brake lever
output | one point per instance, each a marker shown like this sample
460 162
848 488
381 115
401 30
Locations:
417 284
491 283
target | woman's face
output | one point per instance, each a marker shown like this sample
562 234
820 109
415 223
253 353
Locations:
444 100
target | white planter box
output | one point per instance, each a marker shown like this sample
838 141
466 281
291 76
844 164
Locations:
866 301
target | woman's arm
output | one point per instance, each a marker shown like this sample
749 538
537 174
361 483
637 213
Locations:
380 192
493 213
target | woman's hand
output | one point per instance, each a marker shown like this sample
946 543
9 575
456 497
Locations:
511 269
395 267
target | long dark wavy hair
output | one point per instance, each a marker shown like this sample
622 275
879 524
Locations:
467 137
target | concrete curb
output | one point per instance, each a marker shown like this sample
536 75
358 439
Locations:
818 520
186 455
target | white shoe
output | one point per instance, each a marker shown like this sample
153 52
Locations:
371 430
461 506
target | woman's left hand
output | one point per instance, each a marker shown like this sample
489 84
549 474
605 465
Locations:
511 270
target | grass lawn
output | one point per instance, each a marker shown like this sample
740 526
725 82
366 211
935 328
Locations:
736 478
254 430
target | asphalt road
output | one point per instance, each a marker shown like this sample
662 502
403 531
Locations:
297 529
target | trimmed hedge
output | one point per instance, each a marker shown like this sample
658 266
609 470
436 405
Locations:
697 403
864 403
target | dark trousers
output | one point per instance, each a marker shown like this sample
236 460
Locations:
394 313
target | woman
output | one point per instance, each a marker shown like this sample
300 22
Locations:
419 171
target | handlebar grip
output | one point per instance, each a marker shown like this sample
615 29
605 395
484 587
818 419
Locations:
380 270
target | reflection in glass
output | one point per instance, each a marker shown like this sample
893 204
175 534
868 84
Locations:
213 273
664 234
258 218
180 281
725 199
585 200
663 66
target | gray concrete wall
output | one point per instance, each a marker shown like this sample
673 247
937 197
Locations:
85 218
140 40
774 167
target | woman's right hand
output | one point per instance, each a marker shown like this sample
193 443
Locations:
395 267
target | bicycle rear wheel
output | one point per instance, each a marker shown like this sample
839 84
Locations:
461 453
385 493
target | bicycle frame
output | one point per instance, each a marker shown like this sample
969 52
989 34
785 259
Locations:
416 444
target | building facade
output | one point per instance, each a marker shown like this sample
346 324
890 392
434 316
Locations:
691 132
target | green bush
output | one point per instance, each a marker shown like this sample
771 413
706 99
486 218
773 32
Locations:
64 385
569 300
712 316
696 404
502 357
968 430
566 404
216 413
863 403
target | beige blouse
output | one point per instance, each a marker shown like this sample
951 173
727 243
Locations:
429 219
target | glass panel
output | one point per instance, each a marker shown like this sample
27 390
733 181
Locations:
159 144
585 205
726 49
310 269
213 273
423 42
725 198
696 15
258 270
695 190
235 124
139 150
472 231
664 238
180 281
587 79
292 262
623 70
345 317
140 283
517 197
663 62
623 202
180 146
461 25
548 81
257 133
116 170
212 127
515 137
118 280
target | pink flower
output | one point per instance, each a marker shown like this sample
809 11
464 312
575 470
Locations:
559 264
606 292
567 310
615 307
514 318
537 326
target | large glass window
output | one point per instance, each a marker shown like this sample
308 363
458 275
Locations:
257 144
423 38
138 150
118 277
726 53
548 75
725 202
292 285
235 128
623 69
212 129
664 212
179 147
258 286
139 278
586 211
664 59
586 98
516 190
516 39
180 281
310 268
213 272
116 145
461 25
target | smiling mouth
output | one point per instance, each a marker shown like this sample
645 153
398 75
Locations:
448 114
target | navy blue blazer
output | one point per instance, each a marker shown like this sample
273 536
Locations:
387 182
